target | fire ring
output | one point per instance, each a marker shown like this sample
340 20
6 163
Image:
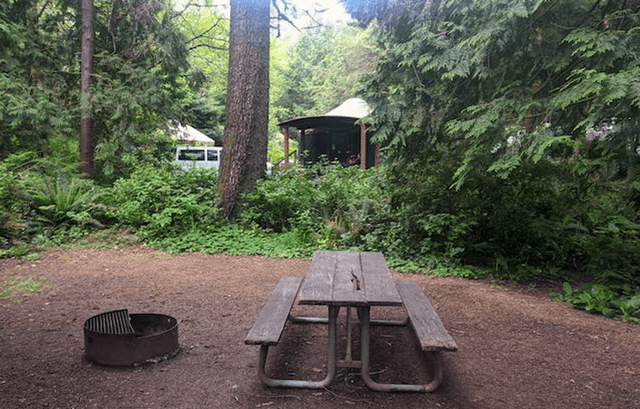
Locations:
117 338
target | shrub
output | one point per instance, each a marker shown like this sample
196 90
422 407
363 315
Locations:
328 204
11 208
164 201
602 299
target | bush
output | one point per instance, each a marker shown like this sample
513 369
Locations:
602 299
7 200
280 203
160 202
327 204
606 232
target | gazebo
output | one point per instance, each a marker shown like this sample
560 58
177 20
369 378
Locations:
335 136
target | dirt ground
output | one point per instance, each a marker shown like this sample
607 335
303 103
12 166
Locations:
517 349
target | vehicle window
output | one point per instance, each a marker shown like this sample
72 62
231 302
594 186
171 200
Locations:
212 155
191 154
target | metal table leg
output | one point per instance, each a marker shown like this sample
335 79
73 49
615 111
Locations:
387 387
291 383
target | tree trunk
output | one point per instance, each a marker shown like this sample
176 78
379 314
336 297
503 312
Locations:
86 61
244 154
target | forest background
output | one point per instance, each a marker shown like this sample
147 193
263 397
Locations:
510 134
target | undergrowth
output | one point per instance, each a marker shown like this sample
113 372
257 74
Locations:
235 240
521 230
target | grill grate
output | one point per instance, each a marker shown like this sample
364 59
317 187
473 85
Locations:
112 322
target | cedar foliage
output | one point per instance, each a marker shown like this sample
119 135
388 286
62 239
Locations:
472 75
520 117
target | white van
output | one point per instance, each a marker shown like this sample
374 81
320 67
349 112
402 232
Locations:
205 157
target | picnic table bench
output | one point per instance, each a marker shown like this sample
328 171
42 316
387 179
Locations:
268 328
348 279
426 324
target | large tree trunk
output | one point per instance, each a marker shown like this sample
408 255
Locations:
244 154
86 61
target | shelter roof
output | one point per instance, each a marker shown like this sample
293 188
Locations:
345 115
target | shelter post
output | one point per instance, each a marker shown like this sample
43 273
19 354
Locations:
301 146
286 147
363 146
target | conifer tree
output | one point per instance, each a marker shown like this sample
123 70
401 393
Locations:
86 120
246 131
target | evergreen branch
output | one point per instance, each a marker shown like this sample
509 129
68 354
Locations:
282 16
204 33
44 7
208 46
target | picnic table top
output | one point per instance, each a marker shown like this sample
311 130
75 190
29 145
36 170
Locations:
349 279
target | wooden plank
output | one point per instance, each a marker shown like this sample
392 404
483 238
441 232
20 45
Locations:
378 282
268 327
349 279
425 322
348 287
317 288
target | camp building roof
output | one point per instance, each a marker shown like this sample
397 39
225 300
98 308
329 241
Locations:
346 114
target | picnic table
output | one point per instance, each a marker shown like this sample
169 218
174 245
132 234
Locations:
350 280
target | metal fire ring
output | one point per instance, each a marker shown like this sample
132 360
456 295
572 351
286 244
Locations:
117 338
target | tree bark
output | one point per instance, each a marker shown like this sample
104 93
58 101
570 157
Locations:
244 154
86 61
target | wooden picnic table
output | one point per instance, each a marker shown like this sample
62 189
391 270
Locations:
352 280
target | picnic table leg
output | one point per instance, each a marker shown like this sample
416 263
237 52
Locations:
291 383
434 359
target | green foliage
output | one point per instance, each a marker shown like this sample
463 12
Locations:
348 208
602 299
28 114
487 113
35 70
235 240
128 111
49 208
61 200
17 251
319 202
207 32
477 77
161 202
142 80
518 120
8 187
39 198
279 203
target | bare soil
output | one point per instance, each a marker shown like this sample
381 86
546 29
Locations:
517 349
